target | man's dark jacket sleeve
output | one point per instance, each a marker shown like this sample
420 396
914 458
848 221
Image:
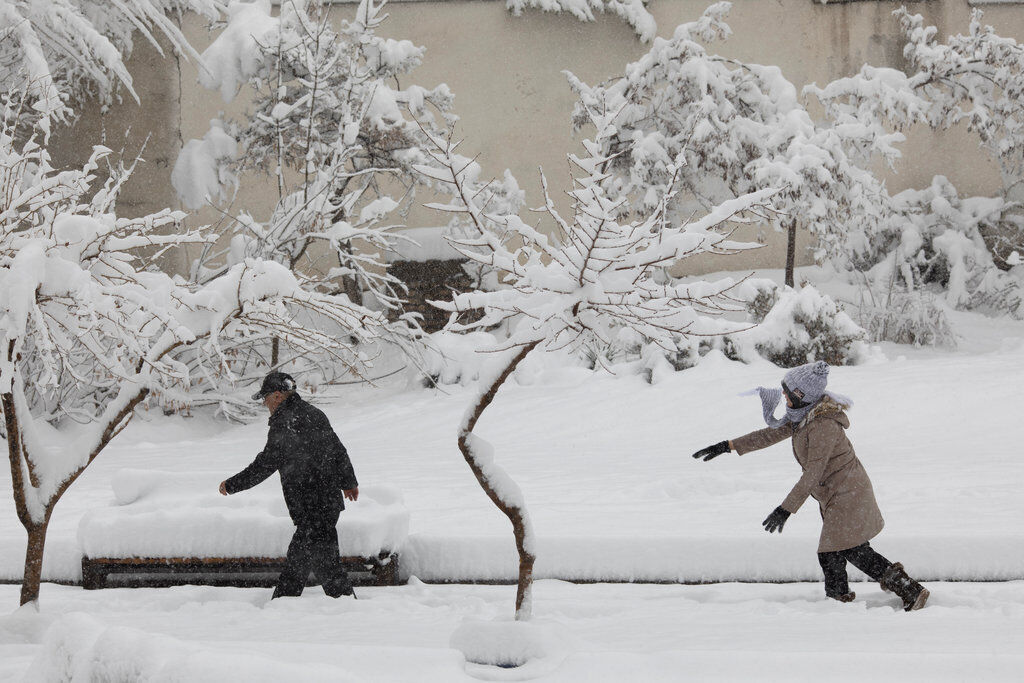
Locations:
265 464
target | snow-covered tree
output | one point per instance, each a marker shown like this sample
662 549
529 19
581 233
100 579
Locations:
331 126
976 79
740 128
53 52
597 275
633 12
934 236
89 327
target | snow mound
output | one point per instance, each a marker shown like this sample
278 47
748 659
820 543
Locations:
174 514
533 649
79 648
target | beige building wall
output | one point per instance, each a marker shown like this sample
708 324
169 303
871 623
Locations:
514 102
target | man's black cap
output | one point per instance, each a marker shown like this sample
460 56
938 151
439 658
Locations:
275 381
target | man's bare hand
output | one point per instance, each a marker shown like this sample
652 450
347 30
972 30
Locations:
352 494
223 488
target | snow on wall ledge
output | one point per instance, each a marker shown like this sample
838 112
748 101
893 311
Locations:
702 559
168 514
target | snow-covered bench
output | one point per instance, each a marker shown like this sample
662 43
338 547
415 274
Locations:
173 528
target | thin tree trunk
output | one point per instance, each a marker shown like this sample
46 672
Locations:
33 570
790 252
515 514
33 574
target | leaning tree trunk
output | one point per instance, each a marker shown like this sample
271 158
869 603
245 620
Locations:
790 252
484 471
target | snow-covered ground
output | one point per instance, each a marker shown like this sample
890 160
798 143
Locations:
597 632
604 464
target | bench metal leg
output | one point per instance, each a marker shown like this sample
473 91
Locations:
94 576
385 571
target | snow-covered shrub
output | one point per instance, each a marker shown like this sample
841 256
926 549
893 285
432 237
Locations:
935 240
902 317
803 325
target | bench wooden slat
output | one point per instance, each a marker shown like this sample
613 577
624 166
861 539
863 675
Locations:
383 569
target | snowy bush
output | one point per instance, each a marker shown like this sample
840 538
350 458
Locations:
654 360
799 326
935 240
902 317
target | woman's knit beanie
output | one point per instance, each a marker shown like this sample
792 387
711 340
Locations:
809 379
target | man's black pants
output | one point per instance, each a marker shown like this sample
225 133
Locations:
863 557
313 547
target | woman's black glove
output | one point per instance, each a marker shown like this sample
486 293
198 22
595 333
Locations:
776 520
713 451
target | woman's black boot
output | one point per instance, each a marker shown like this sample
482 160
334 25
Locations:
895 580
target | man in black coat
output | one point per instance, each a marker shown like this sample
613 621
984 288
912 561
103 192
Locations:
316 477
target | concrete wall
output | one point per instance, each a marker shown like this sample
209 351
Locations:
514 102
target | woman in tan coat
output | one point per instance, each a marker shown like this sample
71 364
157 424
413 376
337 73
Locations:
816 422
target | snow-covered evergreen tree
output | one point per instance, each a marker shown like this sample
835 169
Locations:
595 276
740 127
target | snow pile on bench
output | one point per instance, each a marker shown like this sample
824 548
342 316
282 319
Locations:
422 244
79 648
173 514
